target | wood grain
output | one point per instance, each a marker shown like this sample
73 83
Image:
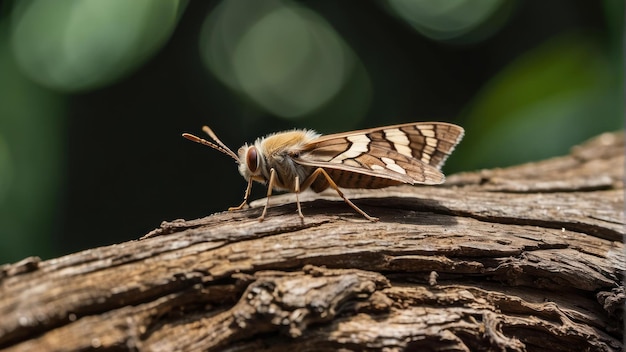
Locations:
527 258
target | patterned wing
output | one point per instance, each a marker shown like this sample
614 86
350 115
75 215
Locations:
380 157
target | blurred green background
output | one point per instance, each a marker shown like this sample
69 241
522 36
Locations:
95 94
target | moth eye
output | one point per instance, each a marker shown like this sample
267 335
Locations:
252 159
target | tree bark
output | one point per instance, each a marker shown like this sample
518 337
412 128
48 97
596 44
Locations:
526 258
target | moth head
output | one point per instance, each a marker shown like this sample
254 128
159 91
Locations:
248 157
250 162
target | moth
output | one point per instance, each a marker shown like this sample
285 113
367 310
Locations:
295 160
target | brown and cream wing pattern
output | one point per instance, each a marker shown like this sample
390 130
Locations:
407 153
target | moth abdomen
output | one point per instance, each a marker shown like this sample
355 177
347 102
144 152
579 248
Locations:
347 179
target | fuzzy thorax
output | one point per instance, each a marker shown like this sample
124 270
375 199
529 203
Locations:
275 151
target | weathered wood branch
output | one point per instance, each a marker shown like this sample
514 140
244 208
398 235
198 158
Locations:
527 258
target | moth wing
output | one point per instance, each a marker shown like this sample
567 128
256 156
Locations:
369 176
376 161
408 153
428 142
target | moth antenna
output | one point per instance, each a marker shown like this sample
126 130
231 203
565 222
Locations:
221 147
213 136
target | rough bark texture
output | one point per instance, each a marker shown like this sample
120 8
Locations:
527 258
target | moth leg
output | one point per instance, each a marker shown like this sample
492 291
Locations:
297 191
270 185
245 197
333 185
